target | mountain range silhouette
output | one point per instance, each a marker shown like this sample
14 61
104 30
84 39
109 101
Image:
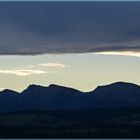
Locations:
55 97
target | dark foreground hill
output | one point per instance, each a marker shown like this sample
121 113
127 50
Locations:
111 111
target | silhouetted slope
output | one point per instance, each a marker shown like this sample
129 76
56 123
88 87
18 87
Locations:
35 97
9 100
119 94
52 97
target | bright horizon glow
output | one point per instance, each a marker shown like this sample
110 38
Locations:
126 53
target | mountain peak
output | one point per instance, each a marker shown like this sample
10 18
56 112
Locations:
8 91
122 91
120 83
54 85
57 86
33 86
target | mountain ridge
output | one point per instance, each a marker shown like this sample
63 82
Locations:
36 97
61 86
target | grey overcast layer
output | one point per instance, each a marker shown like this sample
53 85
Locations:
30 28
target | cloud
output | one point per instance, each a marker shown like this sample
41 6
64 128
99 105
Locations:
33 69
116 48
135 54
53 65
29 28
22 72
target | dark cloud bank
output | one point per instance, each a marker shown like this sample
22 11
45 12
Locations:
69 27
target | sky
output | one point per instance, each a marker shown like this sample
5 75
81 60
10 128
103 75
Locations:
76 44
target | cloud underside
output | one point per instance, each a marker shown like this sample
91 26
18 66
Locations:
73 27
126 51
